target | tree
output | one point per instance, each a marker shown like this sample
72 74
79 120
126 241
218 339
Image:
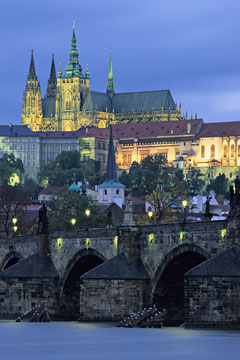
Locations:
11 170
31 188
68 166
168 194
71 205
194 179
220 185
12 205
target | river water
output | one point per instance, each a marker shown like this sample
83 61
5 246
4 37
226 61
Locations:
72 340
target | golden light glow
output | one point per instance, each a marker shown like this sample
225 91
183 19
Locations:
59 242
13 180
223 233
87 212
184 202
14 220
87 242
15 228
151 238
73 221
150 214
115 242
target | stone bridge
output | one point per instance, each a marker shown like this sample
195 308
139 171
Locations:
166 251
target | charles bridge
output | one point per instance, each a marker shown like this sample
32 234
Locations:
166 251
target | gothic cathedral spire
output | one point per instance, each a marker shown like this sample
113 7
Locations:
32 72
110 81
32 100
52 82
73 68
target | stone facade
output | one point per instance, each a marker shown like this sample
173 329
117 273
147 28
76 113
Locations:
18 295
212 302
111 299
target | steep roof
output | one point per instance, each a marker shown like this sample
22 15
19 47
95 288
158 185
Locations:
157 129
225 264
220 129
33 266
97 101
130 101
118 268
16 130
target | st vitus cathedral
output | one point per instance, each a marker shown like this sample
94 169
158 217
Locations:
69 103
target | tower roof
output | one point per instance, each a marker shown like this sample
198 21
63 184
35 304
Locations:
52 82
111 164
110 80
32 72
73 68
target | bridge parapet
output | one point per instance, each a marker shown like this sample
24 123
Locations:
65 244
158 240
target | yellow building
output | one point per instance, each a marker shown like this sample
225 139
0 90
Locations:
69 103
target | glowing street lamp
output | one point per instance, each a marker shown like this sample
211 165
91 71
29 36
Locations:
15 228
73 221
87 212
14 220
184 203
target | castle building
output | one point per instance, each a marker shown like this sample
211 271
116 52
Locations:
69 102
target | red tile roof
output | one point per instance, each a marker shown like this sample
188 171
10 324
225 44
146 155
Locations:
220 129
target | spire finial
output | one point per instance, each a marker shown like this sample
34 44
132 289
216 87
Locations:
32 72
59 70
73 68
110 80
74 24
52 82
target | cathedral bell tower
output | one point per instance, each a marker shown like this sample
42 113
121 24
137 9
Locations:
72 90
32 100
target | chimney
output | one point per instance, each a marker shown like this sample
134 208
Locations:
189 128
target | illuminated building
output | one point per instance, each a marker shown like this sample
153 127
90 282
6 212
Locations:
69 103
24 144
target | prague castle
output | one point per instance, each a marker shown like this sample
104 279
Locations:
69 102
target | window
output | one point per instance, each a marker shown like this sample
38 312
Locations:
212 150
144 154
105 192
202 151
117 192
225 151
232 150
127 158
68 105
238 150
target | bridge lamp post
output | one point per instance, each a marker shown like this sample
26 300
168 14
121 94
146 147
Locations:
73 221
184 203
15 227
87 213
150 214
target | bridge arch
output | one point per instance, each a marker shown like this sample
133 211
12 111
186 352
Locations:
10 259
167 283
80 263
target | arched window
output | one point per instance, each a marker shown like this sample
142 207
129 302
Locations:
213 151
68 105
225 151
238 150
202 151
232 150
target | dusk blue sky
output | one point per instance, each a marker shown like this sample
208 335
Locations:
190 47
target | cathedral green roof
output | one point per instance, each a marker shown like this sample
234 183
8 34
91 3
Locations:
130 102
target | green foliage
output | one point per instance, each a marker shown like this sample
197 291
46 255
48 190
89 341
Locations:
9 165
31 188
68 166
194 179
71 205
220 185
